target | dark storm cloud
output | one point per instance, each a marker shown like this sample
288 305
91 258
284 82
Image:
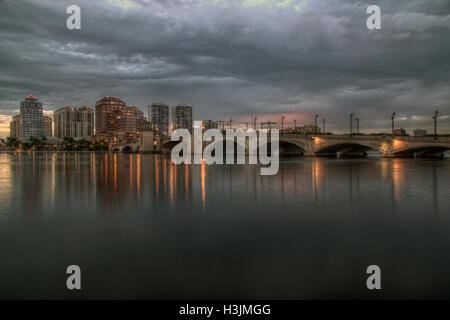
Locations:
229 57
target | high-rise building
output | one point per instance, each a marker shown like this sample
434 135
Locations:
15 127
118 123
158 114
182 117
77 123
32 118
107 110
48 128
130 122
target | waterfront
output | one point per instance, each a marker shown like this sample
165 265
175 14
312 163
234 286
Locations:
141 227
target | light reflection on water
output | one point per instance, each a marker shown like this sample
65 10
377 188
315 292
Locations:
307 232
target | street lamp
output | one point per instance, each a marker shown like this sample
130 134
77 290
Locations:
393 123
323 123
282 123
435 117
295 125
315 122
351 123
357 125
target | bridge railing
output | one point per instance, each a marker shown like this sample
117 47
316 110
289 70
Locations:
367 137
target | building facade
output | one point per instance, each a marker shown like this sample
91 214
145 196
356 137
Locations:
77 123
400 132
209 124
117 123
420 132
48 126
130 122
182 117
158 114
15 127
31 113
107 110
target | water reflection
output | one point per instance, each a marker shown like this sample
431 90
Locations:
51 181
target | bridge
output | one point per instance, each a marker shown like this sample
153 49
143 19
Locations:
329 145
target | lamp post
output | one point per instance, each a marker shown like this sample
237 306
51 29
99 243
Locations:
295 125
435 117
282 124
231 120
351 123
315 124
323 123
357 125
393 123
246 126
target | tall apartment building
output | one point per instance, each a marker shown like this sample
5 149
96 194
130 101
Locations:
130 122
118 123
107 110
77 123
15 127
32 118
158 114
48 126
182 117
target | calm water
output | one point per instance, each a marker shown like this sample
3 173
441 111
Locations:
140 227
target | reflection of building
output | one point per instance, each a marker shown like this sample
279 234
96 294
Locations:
182 117
77 123
420 132
158 114
15 127
48 129
32 120
400 132
116 122
209 124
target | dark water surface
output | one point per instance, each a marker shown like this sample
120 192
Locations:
140 227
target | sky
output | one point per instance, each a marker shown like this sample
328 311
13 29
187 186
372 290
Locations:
230 58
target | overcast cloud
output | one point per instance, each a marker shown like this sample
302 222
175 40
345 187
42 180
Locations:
227 58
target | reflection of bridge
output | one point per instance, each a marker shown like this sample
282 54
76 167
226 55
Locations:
331 145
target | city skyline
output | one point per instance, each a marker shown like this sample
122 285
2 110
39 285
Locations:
173 123
230 59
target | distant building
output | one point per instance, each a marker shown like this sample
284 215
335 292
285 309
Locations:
130 122
48 127
77 123
307 129
32 118
117 123
158 114
209 124
182 117
400 132
107 110
420 132
15 127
